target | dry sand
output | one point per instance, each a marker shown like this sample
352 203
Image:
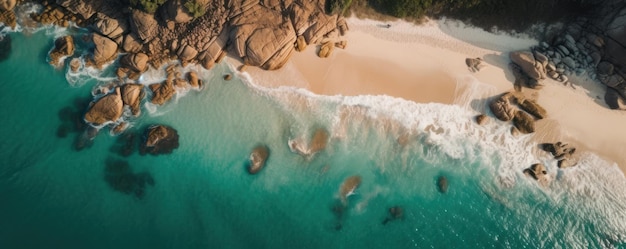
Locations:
426 63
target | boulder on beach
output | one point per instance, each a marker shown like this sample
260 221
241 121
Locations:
473 64
532 107
159 139
63 46
502 108
106 109
325 50
258 157
526 61
524 122
481 119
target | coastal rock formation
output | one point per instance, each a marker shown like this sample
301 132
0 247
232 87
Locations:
63 46
132 94
524 123
258 157
144 25
501 107
106 109
105 50
159 139
132 65
164 91
538 172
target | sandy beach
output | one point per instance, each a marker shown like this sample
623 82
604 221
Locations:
426 63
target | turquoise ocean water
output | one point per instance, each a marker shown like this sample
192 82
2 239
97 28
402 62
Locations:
200 196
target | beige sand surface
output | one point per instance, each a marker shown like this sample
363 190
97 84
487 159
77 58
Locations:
426 63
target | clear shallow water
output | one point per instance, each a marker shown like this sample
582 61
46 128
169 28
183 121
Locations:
56 197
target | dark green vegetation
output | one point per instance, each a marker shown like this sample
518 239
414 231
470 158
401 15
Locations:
504 14
196 9
149 6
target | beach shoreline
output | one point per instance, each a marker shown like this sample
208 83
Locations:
426 63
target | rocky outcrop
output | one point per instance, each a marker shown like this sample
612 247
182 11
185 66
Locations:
164 91
144 25
538 172
258 157
132 94
105 50
63 46
174 11
501 107
159 139
7 5
109 26
106 109
524 123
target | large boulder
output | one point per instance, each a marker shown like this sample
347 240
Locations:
159 139
63 46
132 65
193 79
105 49
526 61
502 108
131 96
7 5
144 25
162 92
524 123
532 107
110 27
106 109
258 157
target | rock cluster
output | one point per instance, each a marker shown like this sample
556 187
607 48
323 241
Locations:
561 152
523 112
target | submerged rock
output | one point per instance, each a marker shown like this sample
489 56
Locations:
120 177
258 157
319 140
442 184
159 139
395 213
